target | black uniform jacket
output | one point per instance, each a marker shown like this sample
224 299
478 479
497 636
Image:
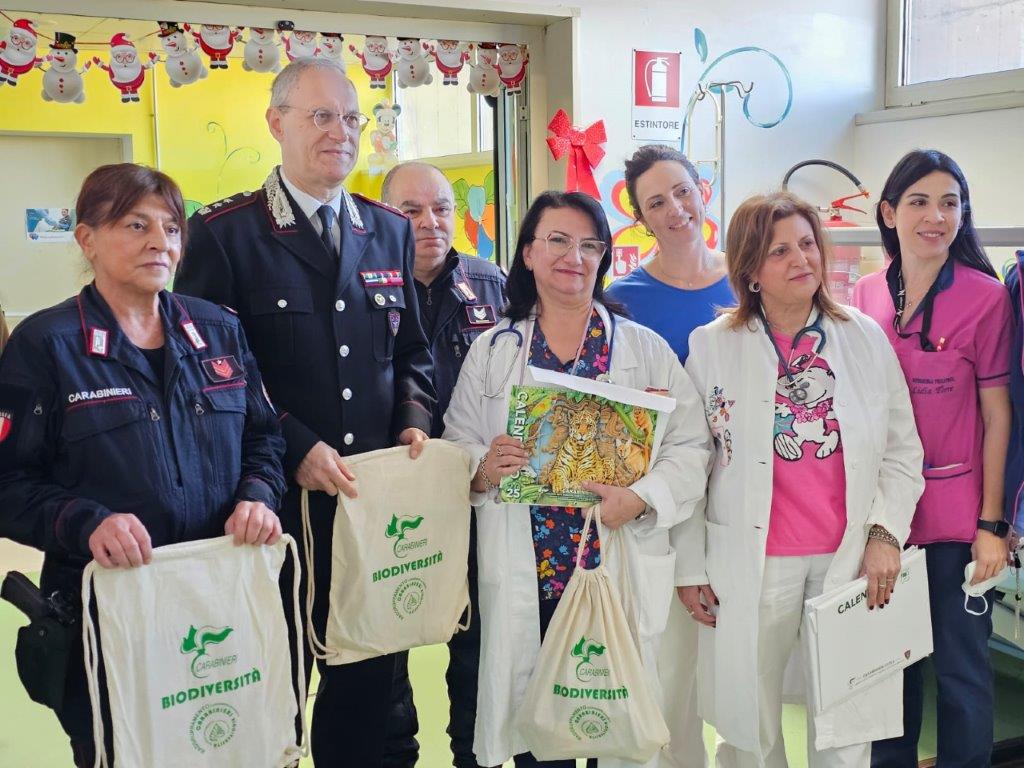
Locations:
88 430
469 294
339 345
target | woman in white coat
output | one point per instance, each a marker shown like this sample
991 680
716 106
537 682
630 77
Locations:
556 319
817 474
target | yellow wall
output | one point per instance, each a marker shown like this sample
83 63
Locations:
210 136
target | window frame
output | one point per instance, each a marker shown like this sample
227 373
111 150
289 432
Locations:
897 95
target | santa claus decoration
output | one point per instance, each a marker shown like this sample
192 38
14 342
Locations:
217 42
450 56
412 67
298 43
483 72
512 60
126 71
375 59
262 52
182 60
18 51
62 81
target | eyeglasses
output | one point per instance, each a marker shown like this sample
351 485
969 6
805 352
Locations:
558 245
325 119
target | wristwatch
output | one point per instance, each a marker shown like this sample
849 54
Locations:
998 528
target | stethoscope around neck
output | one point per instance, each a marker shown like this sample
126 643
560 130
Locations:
795 388
523 356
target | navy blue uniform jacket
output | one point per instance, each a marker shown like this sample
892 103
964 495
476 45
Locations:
89 431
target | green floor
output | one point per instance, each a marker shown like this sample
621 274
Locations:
30 736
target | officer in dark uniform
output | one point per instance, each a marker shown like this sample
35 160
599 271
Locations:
323 284
115 440
459 297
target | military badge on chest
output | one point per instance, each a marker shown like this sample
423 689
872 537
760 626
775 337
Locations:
221 369
394 319
481 315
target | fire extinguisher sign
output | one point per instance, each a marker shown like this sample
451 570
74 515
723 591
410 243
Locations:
656 112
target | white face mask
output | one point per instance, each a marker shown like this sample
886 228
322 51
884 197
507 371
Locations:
978 590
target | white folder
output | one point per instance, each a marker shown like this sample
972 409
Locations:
849 648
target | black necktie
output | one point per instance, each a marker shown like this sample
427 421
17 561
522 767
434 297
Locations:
326 214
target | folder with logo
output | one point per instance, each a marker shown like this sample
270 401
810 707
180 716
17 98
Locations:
850 648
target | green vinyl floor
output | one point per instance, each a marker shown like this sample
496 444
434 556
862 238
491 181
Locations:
31 738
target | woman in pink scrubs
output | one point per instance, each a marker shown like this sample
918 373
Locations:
949 320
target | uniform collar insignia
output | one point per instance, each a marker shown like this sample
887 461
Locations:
281 207
277 199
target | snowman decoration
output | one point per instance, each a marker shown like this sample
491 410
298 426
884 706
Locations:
62 82
18 52
300 44
412 64
375 59
331 48
450 56
512 61
183 64
125 70
217 41
483 73
262 53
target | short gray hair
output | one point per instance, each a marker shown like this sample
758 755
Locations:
289 76
385 189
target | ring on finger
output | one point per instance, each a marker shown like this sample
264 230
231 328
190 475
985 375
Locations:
500 452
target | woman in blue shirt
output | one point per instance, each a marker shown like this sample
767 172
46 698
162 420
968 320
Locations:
681 285
678 289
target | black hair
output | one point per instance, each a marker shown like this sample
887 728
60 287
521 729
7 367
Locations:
521 286
912 167
642 161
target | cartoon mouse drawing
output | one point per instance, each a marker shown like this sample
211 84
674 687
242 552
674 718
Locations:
805 421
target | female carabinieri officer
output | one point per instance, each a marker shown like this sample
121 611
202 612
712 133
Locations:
135 417
556 318
950 322
816 478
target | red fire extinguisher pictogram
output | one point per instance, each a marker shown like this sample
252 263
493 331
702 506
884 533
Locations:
845 269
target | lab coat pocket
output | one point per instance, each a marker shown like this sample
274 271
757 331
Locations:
719 548
659 580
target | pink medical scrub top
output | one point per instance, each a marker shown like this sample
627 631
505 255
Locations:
972 329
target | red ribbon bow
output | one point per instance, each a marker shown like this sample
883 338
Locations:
584 149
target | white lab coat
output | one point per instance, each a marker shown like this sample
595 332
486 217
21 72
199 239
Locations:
883 458
509 607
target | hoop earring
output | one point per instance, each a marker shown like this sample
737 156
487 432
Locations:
754 286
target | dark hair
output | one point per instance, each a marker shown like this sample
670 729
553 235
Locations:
109 192
641 162
521 286
912 167
746 249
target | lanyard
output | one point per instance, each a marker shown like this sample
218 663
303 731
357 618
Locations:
899 300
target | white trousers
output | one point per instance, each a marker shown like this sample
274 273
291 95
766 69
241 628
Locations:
677 670
787 582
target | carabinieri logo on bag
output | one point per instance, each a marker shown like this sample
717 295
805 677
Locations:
398 529
197 641
588 722
212 726
585 650
408 597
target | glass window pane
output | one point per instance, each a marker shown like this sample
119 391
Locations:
957 38
436 120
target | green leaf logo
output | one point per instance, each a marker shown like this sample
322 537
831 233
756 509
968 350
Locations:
399 526
197 640
585 649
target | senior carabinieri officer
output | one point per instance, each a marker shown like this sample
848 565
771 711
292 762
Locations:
323 283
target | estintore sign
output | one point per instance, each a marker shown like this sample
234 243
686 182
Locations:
656 113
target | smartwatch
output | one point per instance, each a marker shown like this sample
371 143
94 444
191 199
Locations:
998 528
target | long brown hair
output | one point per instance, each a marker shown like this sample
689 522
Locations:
746 249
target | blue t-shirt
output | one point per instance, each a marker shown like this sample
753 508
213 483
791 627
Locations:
670 312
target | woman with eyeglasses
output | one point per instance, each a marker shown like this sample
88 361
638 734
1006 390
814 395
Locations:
557 318
950 322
